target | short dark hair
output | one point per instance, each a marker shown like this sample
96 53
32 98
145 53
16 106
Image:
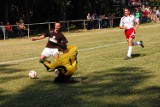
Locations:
126 8
57 22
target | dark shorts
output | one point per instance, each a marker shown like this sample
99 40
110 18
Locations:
62 78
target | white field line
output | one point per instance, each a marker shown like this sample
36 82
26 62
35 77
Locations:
102 46
16 61
81 50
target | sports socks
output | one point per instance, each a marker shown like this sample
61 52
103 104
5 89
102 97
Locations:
129 51
137 43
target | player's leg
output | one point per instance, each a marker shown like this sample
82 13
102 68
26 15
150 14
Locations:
45 54
61 78
129 37
55 53
139 43
42 57
130 43
56 56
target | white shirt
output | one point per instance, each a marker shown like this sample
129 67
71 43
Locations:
128 21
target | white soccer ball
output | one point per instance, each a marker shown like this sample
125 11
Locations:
32 74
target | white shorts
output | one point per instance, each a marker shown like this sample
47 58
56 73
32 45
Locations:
137 19
47 52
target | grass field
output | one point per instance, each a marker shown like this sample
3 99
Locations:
109 80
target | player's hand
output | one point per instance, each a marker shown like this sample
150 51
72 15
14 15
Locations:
135 27
34 39
124 27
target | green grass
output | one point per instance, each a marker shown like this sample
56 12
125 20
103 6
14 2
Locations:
108 79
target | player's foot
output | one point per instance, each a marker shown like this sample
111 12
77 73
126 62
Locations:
77 79
74 80
50 70
127 58
41 61
142 44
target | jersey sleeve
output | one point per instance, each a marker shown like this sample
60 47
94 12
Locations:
63 39
47 34
134 19
121 22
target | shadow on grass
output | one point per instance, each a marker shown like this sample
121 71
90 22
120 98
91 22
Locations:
108 88
9 68
137 55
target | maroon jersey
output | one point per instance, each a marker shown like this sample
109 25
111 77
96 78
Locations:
55 39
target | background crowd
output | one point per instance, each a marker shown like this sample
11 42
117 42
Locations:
98 13
143 13
12 31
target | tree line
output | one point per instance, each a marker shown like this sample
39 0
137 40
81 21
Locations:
55 10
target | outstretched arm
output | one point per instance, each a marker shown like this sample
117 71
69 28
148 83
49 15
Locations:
38 38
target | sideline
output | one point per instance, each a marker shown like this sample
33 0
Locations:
70 35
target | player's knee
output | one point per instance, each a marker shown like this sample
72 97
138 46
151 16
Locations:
56 56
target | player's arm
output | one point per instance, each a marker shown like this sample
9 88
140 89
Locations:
136 24
121 25
38 38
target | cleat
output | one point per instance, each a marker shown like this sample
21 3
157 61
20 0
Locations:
142 44
127 58
41 61
50 70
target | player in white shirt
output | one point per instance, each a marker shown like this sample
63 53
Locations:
129 24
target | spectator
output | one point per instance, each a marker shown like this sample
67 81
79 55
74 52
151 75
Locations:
23 29
89 23
93 20
153 16
145 15
2 29
104 21
158 13
21 20
137 14
8 29
18 30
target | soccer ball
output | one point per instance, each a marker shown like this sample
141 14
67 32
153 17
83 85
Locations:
32 74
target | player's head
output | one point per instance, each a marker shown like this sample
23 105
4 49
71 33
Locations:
57 26
126 12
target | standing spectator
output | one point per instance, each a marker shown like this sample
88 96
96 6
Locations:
23 29
8 29
21 20
111 22
89 19
93 20
145 15
2 29
18 30
137 14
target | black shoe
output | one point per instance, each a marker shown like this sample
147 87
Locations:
127 58
142 44
41 61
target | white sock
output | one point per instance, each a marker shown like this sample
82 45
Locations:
129 51
137 43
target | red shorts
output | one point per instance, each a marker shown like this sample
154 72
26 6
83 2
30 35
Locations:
130 33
